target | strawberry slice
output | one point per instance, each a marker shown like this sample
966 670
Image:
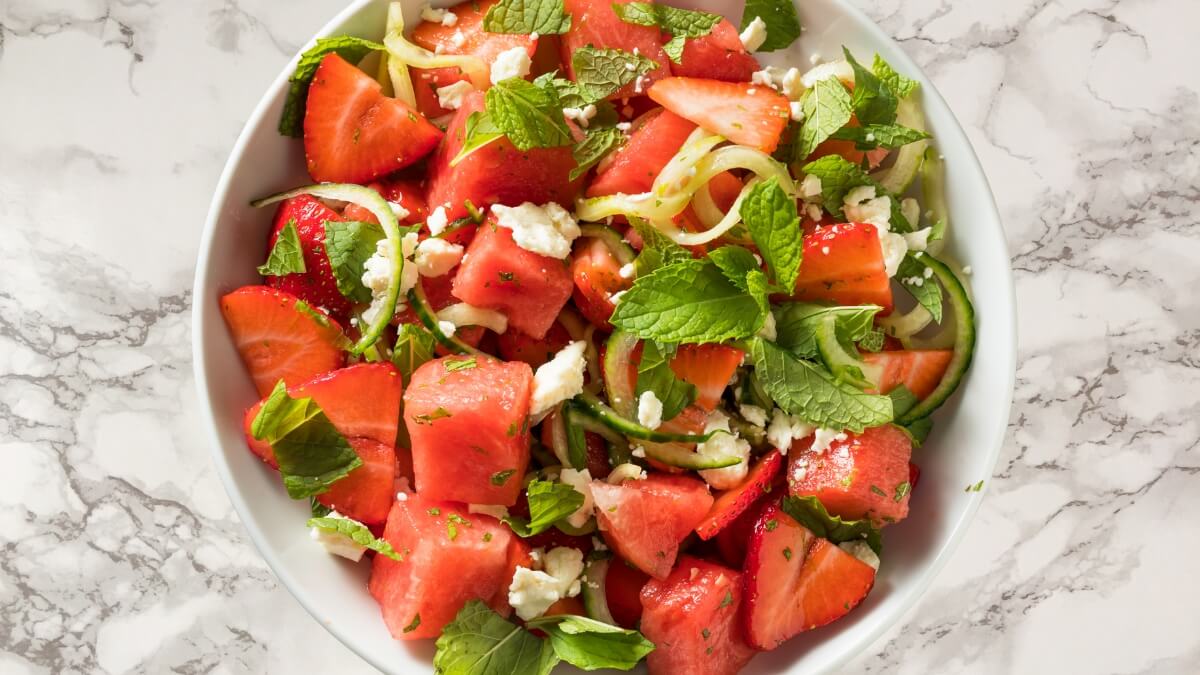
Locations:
366 493
709 367
918 369
622 590
353 133
734 538
316 285
658 135
517 346
843 264
732 503
914 475
597 276
280 337
717 56
753 116
795 582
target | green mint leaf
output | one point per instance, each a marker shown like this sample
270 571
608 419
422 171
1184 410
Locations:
600 72
890 136
658 250
569 93
529 115
797 325
593 645
900 85
357 532
414 347
348 245
809 392
481 642
479 132
680 23
549 503
736 263
691 301
811 513
353 49
544 17
770 215
655 374
501 477
873 101
287 256
311 453
674 48
826 109
783 26
872 341
902 399
925 289
838 177
598 143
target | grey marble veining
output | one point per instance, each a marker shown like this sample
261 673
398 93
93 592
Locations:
120 552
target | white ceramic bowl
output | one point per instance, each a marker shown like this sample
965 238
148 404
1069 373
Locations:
962 450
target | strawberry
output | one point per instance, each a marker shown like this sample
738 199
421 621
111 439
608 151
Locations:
734 538
517 346
709 367
918 369
914 475
596 273
732 503
353 133
795 582
622 590
365 494
843 264
426 82
747 115
718 56
280 337
316 285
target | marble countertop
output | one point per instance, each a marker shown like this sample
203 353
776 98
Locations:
122 553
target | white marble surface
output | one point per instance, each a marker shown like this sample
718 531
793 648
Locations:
120 551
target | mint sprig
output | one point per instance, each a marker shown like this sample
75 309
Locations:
348 245
544 17
797 325
353 49
529 115
601 72
593 148
680 23
658 250
480 131
549 503
655 374
826 108
889 136
358 533
900 85
311 453
926 290
839 177
414 347
783 26
811 513
592 645
286 256
873 101
770 215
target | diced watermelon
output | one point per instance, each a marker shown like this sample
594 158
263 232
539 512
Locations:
717 56
467 35
426 82
635 165
366 494
732 503
496 273
692 618
407 193
316 285
623 586
497 173
920 370
469 428
645 520
517 346
709 367
864 476
843 264
594 23
447 562
597 276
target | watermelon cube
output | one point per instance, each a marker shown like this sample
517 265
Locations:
645 520
529 288
633 168
716 56
365 494
864 476
468 421
843 264
594 23
449 557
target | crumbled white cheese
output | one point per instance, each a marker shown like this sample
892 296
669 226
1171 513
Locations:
465 314
842 70
582 482
784 429
650 410
401 496
910 209
823 438
581 115
546 230
435 257
432 14
894 249
533 591
862 206
639 452
437 221
377 272
398 210
810 187
626 271
919 240
724 444
755 34
624 126
494 510
797 111
558 379
451 96
862 551
458 39
336 542
768 331
753 414
813 212
786 82
510 63
447 327
616 297
967 270
624 472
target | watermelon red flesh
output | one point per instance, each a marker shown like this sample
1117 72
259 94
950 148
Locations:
278 341
597 277
517 346
366 494
407 193
623 591
469 28
692 618
850 273
594 23
636 164
732 503
426 82
438 574
469 429
717 56
920 370
497 173
316 285
645 520
498 274
859 477
709 367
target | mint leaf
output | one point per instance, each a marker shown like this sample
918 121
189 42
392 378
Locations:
925 289
593 148
592 645
479 132
690 301
902 399
838 177
770 215
900 85
783 26
311 453
545 17
548 503
680 23
569 93
287 256
353 49
809 392
811 513
873 101
797 324
890 136
348 245
736 263
414 347
826 109
529 115
481 642
658 250
357 532
601 72
655 374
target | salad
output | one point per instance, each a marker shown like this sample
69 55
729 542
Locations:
598 341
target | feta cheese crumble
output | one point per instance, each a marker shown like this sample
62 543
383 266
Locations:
437 222
784 429
624 472
724 444
768 331
810 187
377 272
919 240
336 542
842 70
797 111
862 206
435 257
824 438
546 230
533 591
581 115
753 414
650 410
558 379
626 271
755 34
581 481
435 15
510 63
862 551
451 96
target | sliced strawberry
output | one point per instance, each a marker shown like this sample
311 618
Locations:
843 264
623 590
734 538
732 503
753 116
280 337
709 367
353 133
918 369
863 476
645 520
365 494
407 193
517 346
597 276
634 166
316 285
594 23
717 56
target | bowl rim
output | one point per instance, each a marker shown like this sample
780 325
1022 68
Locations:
909 595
